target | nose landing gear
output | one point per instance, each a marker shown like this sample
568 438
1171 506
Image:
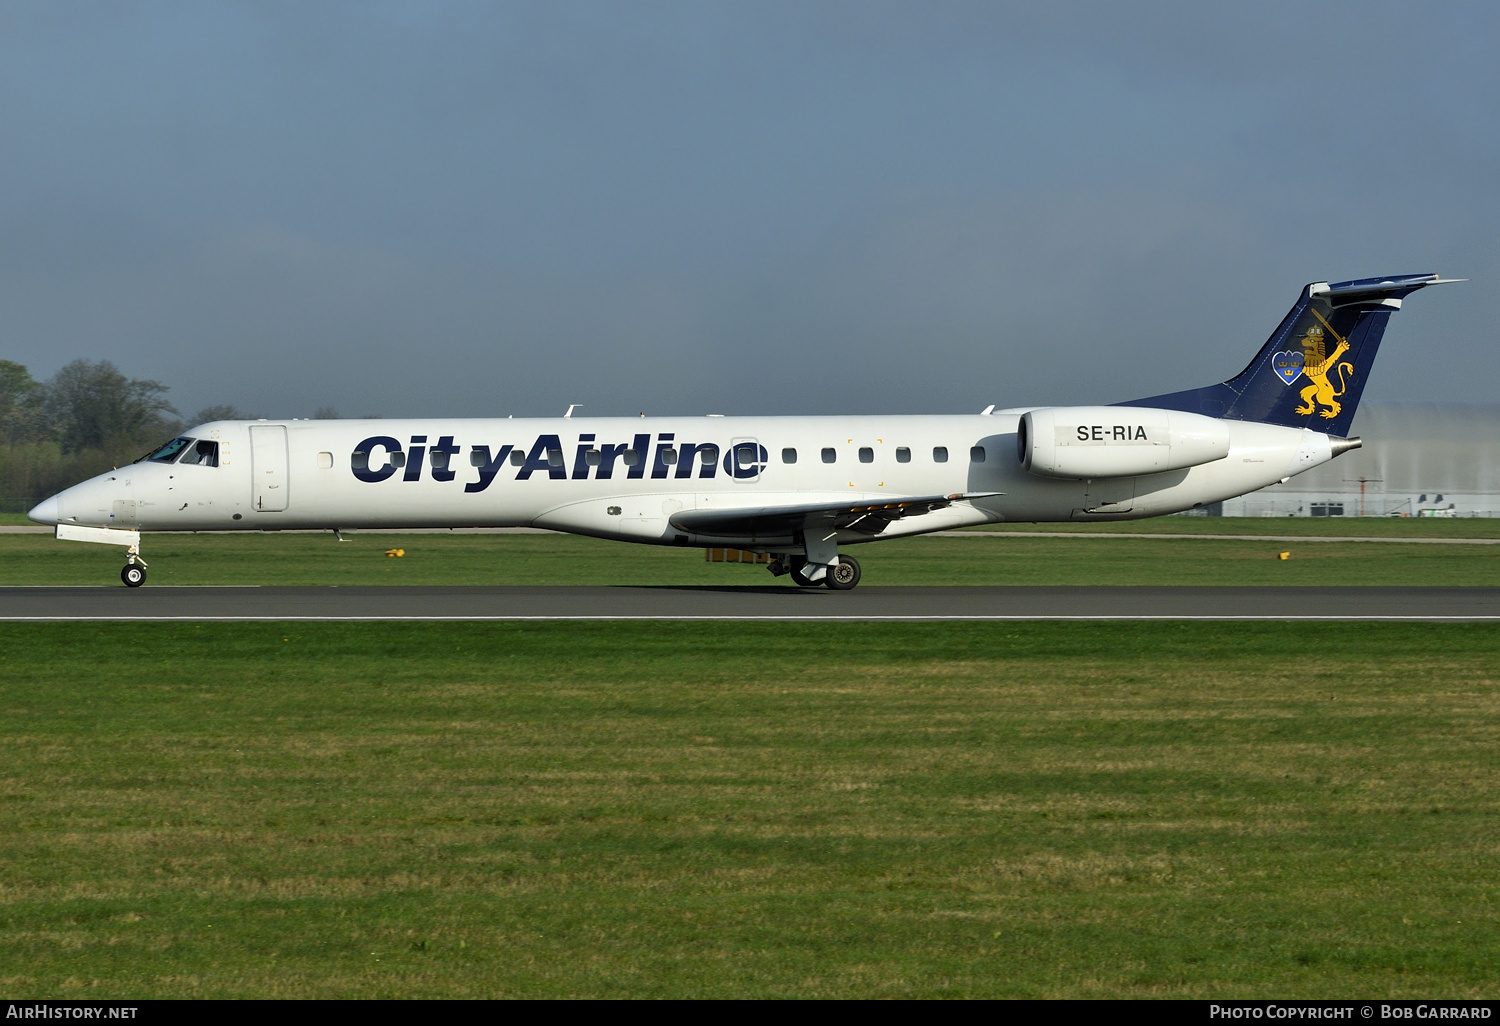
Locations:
134 573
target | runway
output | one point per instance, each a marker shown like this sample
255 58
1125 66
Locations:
773 602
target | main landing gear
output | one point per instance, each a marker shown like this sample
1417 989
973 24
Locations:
134 574
843 575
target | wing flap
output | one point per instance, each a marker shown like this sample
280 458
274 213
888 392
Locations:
863 516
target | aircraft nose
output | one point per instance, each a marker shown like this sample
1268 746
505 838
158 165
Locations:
45 512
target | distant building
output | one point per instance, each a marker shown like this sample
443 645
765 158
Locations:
1418 459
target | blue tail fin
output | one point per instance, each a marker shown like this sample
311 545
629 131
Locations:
1312 370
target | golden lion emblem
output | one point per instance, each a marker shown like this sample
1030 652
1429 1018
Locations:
1315 367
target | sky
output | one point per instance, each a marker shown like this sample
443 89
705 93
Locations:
484 209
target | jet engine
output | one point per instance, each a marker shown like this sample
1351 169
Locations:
1116 441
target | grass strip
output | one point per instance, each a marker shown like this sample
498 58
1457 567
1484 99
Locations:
525 559
774 810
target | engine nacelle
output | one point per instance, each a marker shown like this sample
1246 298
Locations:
1116 441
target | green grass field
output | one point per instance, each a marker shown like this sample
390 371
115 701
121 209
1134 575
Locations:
768 810
503 559
759 810
1307 527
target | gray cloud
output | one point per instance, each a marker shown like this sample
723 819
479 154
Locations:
471 209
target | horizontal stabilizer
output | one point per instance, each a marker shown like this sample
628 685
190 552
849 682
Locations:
1406 283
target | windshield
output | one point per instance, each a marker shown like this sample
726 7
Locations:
204 454
168 452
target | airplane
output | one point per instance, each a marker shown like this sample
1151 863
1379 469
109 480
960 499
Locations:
795 491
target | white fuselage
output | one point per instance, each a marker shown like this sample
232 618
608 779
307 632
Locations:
574 477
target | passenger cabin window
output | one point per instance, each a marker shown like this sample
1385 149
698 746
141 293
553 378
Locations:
668 455
710 454
517 458
360 460
866 454
789 455
438 459
829 455
168 452
632 458
903 454
940 454
206 454
554 458
976 454
478 458
591 457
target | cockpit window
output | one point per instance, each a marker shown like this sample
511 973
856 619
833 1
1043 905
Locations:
168 452
204 454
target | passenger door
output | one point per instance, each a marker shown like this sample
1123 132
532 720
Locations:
268 467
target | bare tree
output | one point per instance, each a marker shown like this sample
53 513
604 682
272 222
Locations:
94 406
224 411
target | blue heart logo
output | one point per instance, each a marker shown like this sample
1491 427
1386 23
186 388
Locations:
1287 365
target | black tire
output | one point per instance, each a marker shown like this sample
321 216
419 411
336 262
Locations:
134 575
843 575
798 564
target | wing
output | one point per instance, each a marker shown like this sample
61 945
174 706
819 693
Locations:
866 517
